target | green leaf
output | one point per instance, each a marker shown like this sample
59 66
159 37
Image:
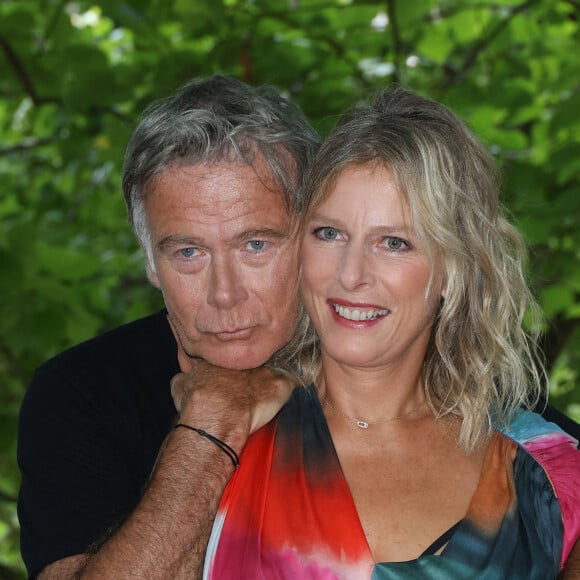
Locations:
556 299
66 264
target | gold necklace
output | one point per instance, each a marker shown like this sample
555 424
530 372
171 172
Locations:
365 424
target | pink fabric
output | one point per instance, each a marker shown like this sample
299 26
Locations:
557 454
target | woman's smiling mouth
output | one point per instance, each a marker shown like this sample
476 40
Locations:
359 314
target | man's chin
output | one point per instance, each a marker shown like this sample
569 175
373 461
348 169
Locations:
237 363
249 353
240 358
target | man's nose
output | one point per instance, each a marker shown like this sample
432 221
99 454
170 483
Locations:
226 285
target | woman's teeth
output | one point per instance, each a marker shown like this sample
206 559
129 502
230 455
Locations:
359 314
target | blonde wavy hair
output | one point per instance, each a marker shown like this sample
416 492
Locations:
481 364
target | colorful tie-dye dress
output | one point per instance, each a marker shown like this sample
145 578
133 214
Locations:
287 513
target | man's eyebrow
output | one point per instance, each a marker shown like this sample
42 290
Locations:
169 241
259 233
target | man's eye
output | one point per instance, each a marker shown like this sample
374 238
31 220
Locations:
396 244
187 252
256 245
326 233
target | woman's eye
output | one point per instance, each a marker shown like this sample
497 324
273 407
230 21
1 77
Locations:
256 245
395 243
187 252
326 233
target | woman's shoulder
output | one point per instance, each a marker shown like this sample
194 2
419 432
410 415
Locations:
556 451
527 428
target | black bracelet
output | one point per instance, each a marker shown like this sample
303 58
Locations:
223 446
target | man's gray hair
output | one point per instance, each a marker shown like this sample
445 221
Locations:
216 119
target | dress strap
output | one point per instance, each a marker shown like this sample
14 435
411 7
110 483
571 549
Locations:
441 540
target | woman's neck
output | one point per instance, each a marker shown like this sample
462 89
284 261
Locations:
371 396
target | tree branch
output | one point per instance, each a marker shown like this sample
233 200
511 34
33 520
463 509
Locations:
455 76
22 75
25 145
333 43
26 83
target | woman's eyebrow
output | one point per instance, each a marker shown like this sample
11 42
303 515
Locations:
401 228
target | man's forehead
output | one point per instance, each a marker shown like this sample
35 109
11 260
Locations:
224 199
221 177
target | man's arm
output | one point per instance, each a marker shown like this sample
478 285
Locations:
166 535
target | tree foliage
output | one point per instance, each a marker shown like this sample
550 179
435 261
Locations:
75 76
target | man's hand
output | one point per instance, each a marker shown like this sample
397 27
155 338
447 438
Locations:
166 535
221 400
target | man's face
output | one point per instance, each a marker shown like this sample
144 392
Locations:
225 257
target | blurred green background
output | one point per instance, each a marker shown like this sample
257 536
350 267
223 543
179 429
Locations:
74 77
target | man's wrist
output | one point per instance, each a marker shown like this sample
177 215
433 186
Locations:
215 440
233 434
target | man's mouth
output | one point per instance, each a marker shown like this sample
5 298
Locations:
359 314
235 334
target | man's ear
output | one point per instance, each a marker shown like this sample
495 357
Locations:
153 278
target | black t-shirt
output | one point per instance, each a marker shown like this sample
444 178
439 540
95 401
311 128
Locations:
91 426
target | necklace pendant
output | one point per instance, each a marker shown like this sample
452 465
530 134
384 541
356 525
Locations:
362 424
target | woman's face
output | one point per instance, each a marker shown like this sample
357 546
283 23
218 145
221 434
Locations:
364 278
